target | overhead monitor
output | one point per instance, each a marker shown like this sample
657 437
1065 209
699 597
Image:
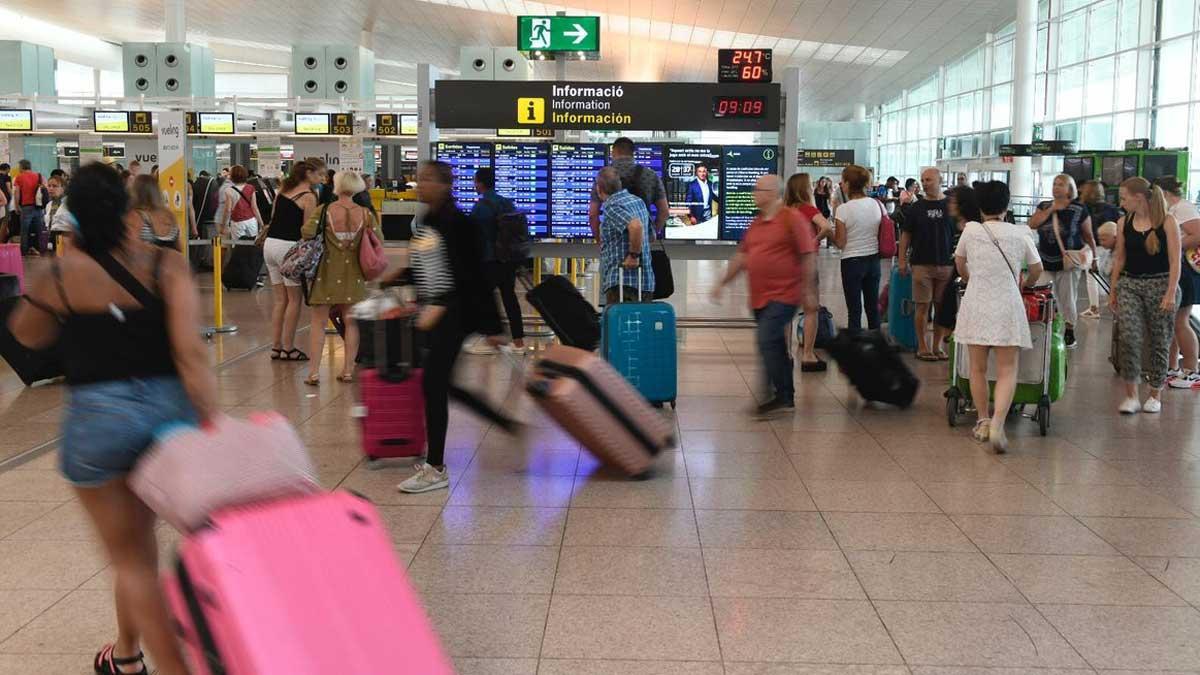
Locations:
408 125
573 169
464 160
650 155
122 122
216 123
523 175
744 165
391 124
1080 168
1116 168
16 119
693 178
312 124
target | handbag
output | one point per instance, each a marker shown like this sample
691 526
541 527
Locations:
887 233
304 257
1075 258
189 472
1192 256
660 265
371 256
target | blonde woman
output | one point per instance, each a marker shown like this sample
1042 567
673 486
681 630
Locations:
1145 289
1061 250
339 281
154 220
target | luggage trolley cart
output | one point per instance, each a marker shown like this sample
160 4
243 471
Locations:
1041 370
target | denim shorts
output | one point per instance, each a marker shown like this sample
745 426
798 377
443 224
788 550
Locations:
108 425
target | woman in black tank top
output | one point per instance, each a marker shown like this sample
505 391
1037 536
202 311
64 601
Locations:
1145 290
126 319
294 201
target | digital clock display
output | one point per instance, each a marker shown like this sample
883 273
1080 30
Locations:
726 107
744 65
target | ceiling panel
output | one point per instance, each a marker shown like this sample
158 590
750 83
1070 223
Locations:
841 46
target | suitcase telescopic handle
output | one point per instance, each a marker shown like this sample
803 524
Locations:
621 284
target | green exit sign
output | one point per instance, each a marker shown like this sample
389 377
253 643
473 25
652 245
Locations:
558 33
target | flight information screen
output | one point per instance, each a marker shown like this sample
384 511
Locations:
573 169
744 165
465 159
523 175
651 157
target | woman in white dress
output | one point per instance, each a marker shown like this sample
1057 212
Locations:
990 257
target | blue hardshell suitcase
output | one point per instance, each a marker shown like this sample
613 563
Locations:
900 314
638 339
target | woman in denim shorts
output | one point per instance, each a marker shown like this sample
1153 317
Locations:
125 316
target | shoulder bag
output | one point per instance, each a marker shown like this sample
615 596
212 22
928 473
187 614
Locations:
304 257
887 233
371 256
1035 301
1075 258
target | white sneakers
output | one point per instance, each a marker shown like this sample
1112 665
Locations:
427 479
1131 406
1182 380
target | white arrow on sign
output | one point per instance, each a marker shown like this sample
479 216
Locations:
579 33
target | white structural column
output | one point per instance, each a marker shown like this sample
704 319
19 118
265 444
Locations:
790 124
175 15
860 112
1024 60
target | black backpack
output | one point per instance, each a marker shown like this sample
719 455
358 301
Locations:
512 237
206 199
634 185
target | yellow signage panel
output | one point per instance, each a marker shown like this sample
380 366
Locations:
312 123
111 121
217 123
16 120
531 110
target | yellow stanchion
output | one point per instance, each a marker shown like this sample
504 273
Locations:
571 270
218 295
537 271
557 266
58 244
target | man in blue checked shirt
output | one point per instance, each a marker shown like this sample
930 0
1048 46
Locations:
624 241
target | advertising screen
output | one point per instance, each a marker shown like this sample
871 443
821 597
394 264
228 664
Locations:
573 169
523 175
744 165
465 159
312 123
692 175
111 121
16 120
216 123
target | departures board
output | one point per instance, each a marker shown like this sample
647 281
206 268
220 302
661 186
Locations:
552 183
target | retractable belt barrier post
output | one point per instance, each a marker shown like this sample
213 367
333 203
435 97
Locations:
219 292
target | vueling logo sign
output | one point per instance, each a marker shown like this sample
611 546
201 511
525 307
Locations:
531 110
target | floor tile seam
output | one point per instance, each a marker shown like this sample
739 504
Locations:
66 593
863 588
1130 558
60 505
712 608
557 565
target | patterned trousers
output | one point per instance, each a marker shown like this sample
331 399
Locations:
1144 327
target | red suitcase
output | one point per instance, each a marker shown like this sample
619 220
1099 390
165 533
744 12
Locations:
590 399
393 414
303 586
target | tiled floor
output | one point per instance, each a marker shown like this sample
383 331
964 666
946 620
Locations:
843 539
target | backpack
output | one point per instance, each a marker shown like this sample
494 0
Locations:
512 237
265 196
206 200
634 185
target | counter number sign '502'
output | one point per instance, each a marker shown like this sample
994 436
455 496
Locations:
744 65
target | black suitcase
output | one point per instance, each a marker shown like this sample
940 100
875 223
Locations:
874 367
242 269
10 286
569 315
29 364
399 339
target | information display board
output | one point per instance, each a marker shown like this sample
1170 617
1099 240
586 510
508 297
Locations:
216 123
523 175
122 122
650 155
464 160
573 169
693 177
315 124
16 120
744 65
744 165
391 124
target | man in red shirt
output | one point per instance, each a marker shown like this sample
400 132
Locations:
778 255
28 199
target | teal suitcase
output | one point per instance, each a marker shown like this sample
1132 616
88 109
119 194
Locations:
638 339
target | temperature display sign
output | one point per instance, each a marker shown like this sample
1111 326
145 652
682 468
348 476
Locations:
744 65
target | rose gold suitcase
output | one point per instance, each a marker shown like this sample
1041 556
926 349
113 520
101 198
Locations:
590 399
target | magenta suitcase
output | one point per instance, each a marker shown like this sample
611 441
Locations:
304 586
11 263
393 424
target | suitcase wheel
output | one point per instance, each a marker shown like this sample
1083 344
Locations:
672 404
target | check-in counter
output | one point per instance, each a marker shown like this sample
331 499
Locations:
397 217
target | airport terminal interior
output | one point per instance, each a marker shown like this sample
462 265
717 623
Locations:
866 526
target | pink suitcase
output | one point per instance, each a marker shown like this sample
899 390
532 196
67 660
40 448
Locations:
394 419
303 586
191 472
590 399
11 262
